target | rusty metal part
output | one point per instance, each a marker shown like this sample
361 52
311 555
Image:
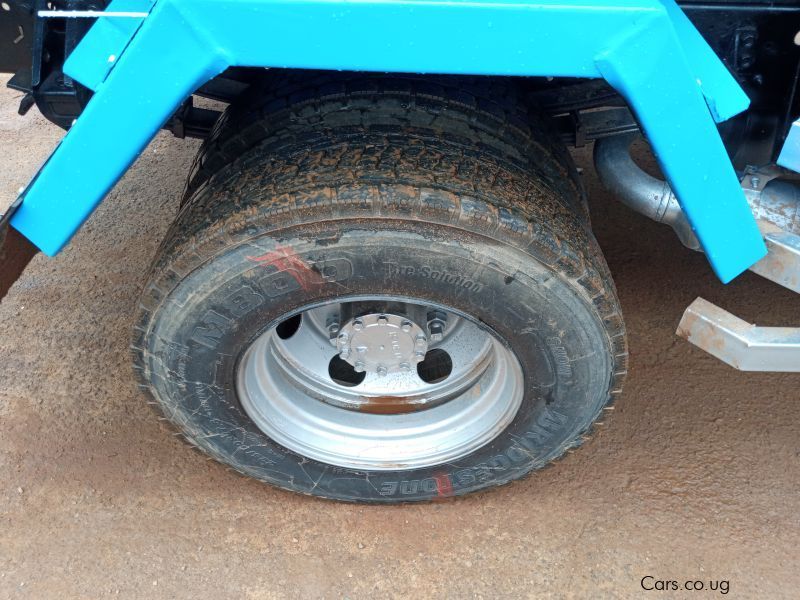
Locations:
773 198
775 203
782 263
743 346
15 254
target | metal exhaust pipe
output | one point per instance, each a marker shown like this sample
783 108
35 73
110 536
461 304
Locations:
643 193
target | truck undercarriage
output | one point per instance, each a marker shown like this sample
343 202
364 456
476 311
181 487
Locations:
335 126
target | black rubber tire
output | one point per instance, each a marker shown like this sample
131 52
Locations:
483 112
368 195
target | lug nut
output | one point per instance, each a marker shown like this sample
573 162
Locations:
421 339
359 366
358 324
420 356
382 320
406 326
437 321
436 329
405 367
382 371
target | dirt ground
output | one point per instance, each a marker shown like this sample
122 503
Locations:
694 477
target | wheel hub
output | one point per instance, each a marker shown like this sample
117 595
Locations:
414 403
382 343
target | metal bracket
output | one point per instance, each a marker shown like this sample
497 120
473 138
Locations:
142 69
782 262
744 346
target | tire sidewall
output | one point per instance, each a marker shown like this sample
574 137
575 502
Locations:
206 322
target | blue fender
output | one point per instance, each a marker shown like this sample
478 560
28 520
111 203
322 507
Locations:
143 68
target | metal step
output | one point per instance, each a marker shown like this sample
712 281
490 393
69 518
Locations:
738 343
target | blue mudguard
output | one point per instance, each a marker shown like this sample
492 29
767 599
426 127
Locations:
143 68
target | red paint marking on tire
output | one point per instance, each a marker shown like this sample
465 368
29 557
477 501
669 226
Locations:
444 485
284 259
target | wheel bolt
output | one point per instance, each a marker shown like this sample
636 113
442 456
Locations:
359 366
405 367
358 324
419 355
406 326
382 320
333 331
421 339
382 371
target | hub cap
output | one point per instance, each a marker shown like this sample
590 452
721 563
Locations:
382 343
396 386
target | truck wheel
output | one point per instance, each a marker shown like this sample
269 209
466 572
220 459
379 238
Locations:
383 300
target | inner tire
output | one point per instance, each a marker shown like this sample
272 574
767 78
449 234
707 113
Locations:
354 201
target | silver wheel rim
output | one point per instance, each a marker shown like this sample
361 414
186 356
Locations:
370 390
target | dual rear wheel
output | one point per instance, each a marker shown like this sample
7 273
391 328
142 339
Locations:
381 289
